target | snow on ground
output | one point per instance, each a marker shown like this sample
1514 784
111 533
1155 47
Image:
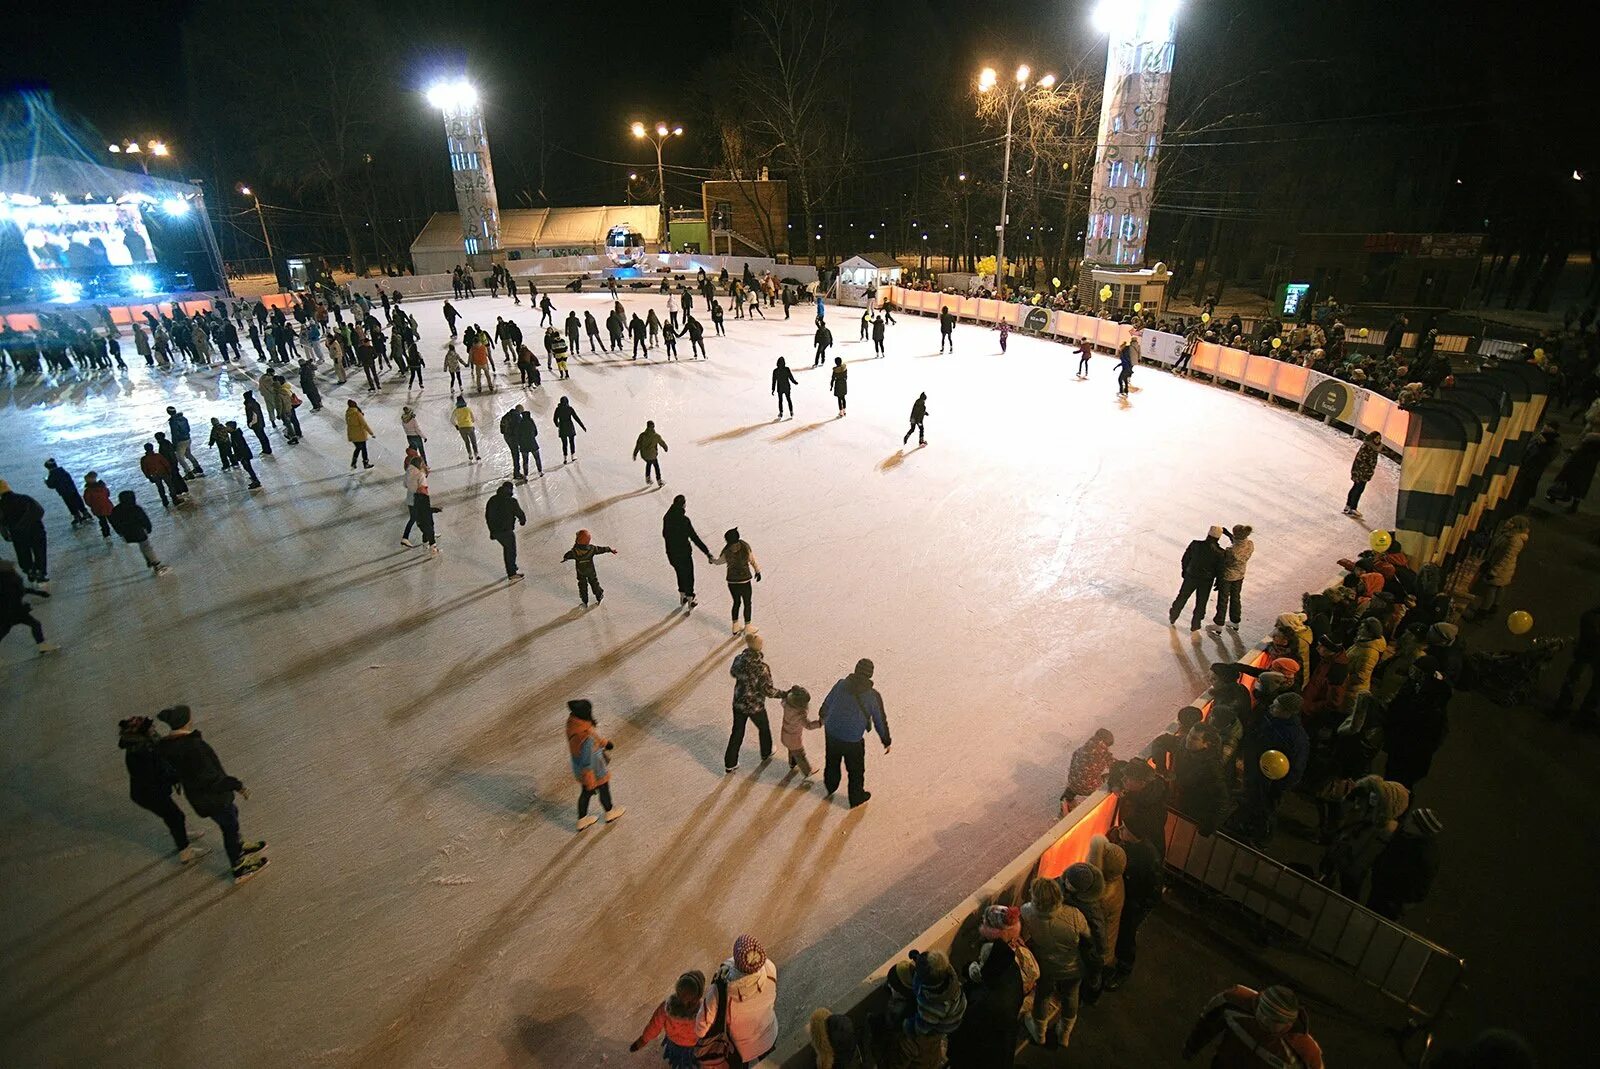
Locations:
399 719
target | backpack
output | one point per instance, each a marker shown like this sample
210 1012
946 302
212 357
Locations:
715 1049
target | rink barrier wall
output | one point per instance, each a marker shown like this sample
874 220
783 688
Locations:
562 269
1341 404
956 933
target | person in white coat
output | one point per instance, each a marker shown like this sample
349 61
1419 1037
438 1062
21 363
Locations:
752 985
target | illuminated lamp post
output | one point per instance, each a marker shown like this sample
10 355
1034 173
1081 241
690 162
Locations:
1011 97
470 166
140 154
662 133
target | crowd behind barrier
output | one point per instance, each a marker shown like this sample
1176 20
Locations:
560 269
1344 404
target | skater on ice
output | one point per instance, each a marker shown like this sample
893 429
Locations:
679 535
1202 563
150 784
796 721
673 1020
649 445
839 382
783 381
752 686
1084 352
60 480
209 788
878 335
947 329
821 341
14 611
582 554
1362 470
919 412
587 750
852 708
466 426
567 420
742 567
503 515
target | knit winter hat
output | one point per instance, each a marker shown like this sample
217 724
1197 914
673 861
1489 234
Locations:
797 697
1371 628
1215 532
1242 530
1443 634
864 668
1292 621
1424 822
581 708
5 487
748 955
934 965
176 717
1395 798
1003 923
1084 880
1277 1007
752 641
583 538
731 535
1287 667
1286 706
1111 859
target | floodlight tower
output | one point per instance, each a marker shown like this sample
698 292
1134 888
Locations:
1132 115
468 142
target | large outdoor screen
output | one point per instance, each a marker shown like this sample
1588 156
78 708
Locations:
79 237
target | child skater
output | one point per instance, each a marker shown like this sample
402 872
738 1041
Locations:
675 1017
796 703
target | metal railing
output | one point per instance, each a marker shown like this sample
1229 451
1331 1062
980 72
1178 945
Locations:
1403 966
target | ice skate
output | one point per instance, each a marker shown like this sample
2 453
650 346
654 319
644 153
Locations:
190 854
433 550
692 603
738 628
246 849
614 814
246 870
47 647
514 577
162 569
1213 629
587 822
1234 628
407 543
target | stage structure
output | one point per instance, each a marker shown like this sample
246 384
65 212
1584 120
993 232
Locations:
1133 114
468 142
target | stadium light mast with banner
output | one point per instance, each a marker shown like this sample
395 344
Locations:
468 142
1133 113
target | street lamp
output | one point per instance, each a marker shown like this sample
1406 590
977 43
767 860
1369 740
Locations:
662 133
272 263
1014 95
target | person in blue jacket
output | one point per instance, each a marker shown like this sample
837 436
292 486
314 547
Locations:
851 709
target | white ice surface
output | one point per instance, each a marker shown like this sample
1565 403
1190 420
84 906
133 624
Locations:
399 720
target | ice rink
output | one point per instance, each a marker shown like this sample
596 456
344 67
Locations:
399 720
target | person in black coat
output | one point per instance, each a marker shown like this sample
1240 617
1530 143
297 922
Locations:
150 782
987 1035
1415 723
1142 881
210 790
1403 873
1202 563
503 515
821 340
1200 784
60 480
565 417
242 454
14 611
308 385
782 380
22 524
679 534
697 335
947 329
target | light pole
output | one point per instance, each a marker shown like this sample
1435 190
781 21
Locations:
662 133
1013 96
467 140
142 153
272 261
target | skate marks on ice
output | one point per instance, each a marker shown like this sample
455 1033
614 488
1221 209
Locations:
804 428
650 719
463 672
588 510
730 435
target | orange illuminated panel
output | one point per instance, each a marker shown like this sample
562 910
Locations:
1375 410
1230 363
1206 355
25 321
966 307
1291 382
194 308
121 315
1395 427
1074 845
988 309
1259 371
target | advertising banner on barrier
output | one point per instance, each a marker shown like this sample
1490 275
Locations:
1161 347
1036 320
1331 398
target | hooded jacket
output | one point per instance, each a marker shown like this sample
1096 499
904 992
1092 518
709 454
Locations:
129 520
1112 861
199 772
752 684
1300 643
97 495
587 749
678 533
648 444
1203 559
853 707
1060 941
355 425
1363 659
1500 563
502 513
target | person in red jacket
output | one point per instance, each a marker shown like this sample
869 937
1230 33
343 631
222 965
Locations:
1259 1029
97 495
675 1017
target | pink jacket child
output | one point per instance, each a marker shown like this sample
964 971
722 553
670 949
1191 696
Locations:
796 703
1090 763
676 1018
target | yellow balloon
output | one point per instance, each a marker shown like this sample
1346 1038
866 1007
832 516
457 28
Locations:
1519 622
1274 765
1105 293
1056 282
1364 332
1379 541
1277 343
1205 317
1537 353
1137 306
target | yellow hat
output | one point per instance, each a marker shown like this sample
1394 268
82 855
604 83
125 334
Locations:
5 487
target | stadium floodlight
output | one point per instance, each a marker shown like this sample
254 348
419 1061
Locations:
65 289
986 79
159 148
453 97
141 284
175 206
